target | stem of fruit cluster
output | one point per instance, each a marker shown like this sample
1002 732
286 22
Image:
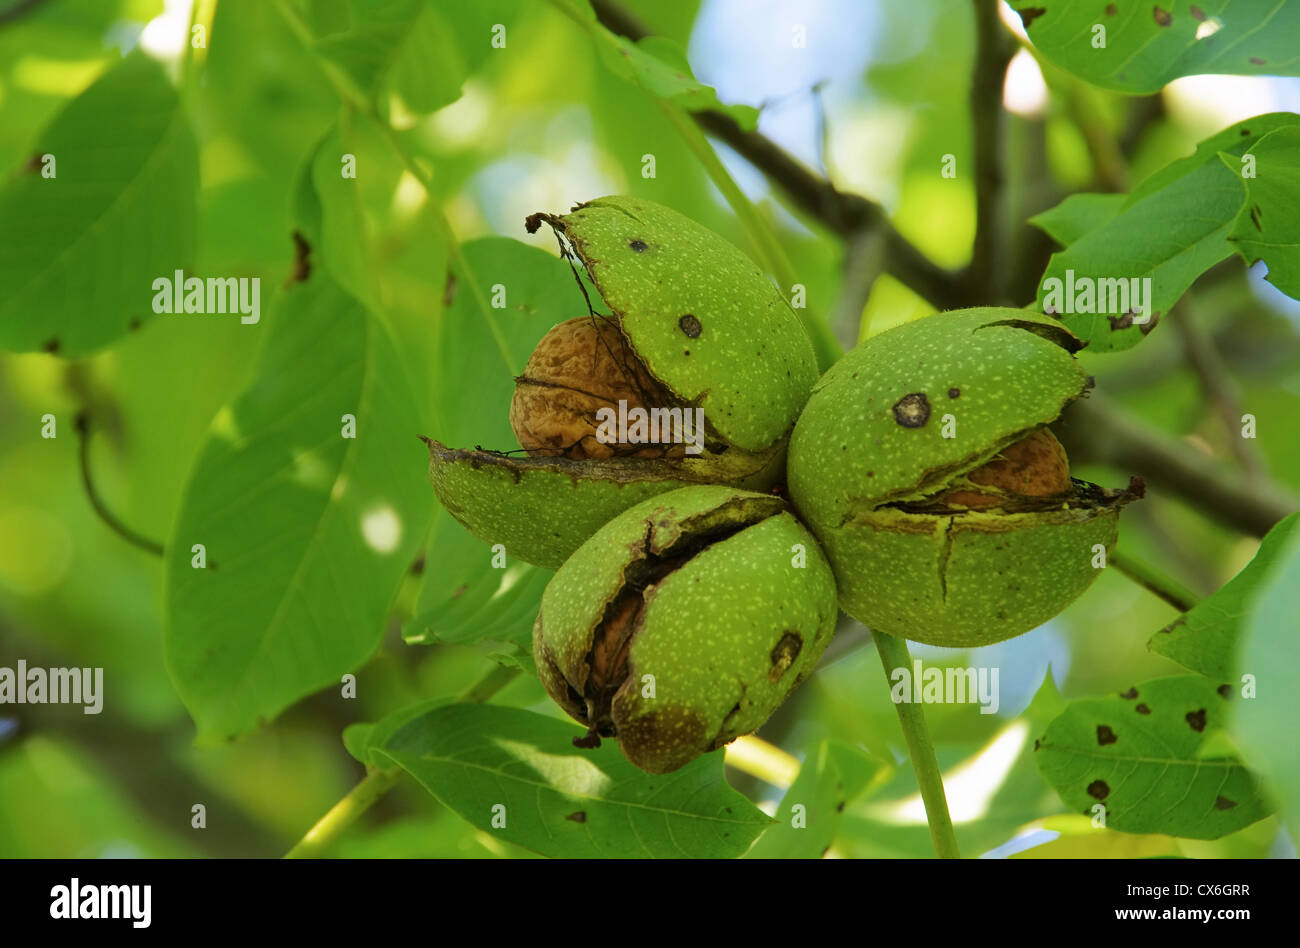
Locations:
376 783
1146 576
920 746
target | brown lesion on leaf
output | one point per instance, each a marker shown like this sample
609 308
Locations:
1098 790
1197 13
1142 709
449 290
1225 691
1105 735
1256 61
577 816
1196 719
1162 17
1111 10
1131 694
51 346
1256 216
1223 803
301 260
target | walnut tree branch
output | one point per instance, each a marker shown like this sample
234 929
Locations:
841 212
993 51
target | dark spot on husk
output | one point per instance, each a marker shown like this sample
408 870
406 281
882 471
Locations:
638 245
1223 803
954 392
1225 691
577 816
1196 719
912 411
690 325
1030 14
1131 694
783 655
1098 790
1142 709
1162 17
1105 735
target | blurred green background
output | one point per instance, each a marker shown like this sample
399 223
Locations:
874 106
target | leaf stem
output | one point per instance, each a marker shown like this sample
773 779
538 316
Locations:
1146 576
110 519
894 654
376 783
343 814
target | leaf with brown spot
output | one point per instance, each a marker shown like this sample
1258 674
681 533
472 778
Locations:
1148 768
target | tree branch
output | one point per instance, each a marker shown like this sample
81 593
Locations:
1217 385
843 213
1094 430
993 51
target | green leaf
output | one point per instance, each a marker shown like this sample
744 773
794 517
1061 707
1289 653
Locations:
1268 227
834 775
1264 724
486 761
1077 215
1147 45
79 251
1207 637
366 50
307 533
1138 755
467 600
364 740
1171 229
658 65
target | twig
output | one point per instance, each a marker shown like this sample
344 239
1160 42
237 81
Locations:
863 260
1095 431
993 52
1154 581
325 832
841 212
343 814
1216 385
82 424
894 654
